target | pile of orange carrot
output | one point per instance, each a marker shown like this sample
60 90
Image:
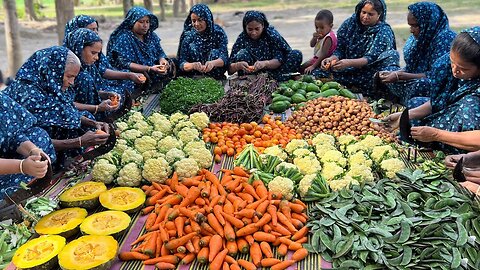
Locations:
212 220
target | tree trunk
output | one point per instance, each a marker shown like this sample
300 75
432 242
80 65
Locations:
175 7
183 6
162 10
30 11
12 37
148 4
127 5
192 3
65 12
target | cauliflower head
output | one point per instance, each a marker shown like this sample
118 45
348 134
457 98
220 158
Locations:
121 125
331 170
129 176
134 118
131 134
361 172
183 124
177 117
345 182
168 143
120 146
103 171
392 166
193 146
157 135
305 184
346 139
334 156
360 158
145 143
302 152
282 185
321 149
156 170
186 167
160 123
203 157
187 135
370 141
323 138
173 155
308 164
382 152
152 154
143 127
200 120
132 155
295 144
276 151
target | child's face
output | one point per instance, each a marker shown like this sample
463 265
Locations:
322 27
462 69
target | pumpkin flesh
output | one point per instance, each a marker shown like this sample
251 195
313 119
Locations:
125 199
89 252
105 223
39 253
84 195
63 222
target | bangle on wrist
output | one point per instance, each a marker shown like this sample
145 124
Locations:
478 191
396 74
21 166
148 69
80 141
96 109
33 149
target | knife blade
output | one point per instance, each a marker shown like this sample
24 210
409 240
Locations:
142 89
405 127
124 108
458 171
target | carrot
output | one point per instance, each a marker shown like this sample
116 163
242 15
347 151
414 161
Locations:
147 188
250 190
300 233
174 181
264 220
195 226
248 213
182 190
235 267
205 192
200 201
202 256
228 207
151 245
173 244
147 209
163 234
238 190
297 223
215 245
204 241
282 230
158 246
229 259
225 266
150 221
284 220
282 250
170 225
261 189
141 238
179 224
262 208
249 239
215 224
266 249
166 259
237 223
243 245
283 265
216 263
300 254
196 243
132 255
240 172
190 182
297 201
239 204
267 228
263 236
246 197
247 265
229 232
164 251
189 246
295 246
213 192
297 208
193 193
162 213
173 214
176 199
299 217
302 240
232 248
164 265
268 262
231 186
285 208
247 230
187 229
247 221
206 227
180 255
188 259
152 200
254 205
256 253
214 201
217 211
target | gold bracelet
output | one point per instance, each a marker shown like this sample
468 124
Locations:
396 74
21 166
148 69
33 149
80 141
96 109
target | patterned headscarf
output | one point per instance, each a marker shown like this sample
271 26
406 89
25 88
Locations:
202 11
78 38
474 32
14 117
358 10
80 21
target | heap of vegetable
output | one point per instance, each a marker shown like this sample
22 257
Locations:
243 103
213 220
416 223
336 115
184 93
12 236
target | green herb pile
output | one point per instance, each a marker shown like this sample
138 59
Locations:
419 222
183 93
12 236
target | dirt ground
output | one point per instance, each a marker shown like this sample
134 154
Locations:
296 25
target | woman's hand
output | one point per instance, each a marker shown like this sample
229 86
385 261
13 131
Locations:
392 121
388 76
259 65
452 160
193 66
425 134
472 186
106 106
102 126
328 63
33 166
137 78
159 69
341 64
242 66
209 65
91 138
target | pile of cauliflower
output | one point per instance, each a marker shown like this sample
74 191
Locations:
152 148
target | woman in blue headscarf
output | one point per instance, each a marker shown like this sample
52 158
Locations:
110 80
43 87
21 144
431 38
135 46
203 45
366 44
451 119
261 48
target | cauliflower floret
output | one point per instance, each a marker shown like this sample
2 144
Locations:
360 158
302 152
370 141
308 164
156 170
152 154
285 166
361 172
203 157
173 155
295 144
331 170
346 139
120 146
160 123
121 125
103 171
334 156
134 118
183 124
131 134
156 117
323 138
145 143
177 117
187 135
157 135
193 146
382 152
130 176
305 184
276 151
392 166
282 185
143 127
200 120
168 143
321 149
132 155
112 157
186 167
345 182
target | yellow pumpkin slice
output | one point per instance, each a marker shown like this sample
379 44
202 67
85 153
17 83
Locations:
124 199
105 223
83 195
63 222
39 253
89 252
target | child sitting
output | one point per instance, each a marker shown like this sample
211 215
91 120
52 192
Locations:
323 41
